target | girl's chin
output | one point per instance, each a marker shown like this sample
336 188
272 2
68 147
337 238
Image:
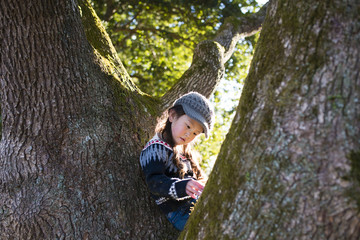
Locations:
180 141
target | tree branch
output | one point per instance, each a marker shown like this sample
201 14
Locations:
235 28
110 10
207 68
205 72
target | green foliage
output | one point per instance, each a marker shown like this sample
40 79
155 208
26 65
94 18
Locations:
155 41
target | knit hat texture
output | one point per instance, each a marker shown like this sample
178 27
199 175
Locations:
199 108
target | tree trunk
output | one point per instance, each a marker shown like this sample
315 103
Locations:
289 167
72 132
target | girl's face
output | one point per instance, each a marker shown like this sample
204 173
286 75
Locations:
184 129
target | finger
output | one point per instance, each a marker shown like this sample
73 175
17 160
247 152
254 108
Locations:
194 193
191 194
197 186
194 189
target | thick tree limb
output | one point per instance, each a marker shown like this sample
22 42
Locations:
100 41
287 169
72 133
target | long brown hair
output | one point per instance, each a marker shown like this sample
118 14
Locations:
163 129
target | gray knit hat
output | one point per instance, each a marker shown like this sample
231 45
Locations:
199 108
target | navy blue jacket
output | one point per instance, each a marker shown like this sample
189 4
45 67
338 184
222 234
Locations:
162 177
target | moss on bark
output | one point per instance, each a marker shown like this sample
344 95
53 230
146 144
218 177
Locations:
354 177
278 173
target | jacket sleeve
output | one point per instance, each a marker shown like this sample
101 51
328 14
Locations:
154 161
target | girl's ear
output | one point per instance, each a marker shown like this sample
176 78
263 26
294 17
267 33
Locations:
172 115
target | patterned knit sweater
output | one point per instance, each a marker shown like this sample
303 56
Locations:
162 177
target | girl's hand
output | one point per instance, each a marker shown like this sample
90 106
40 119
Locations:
194 188
203 181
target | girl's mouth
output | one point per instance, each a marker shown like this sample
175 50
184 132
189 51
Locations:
182 139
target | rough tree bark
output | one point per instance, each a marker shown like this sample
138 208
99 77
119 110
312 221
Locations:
73 125
289 167
71 132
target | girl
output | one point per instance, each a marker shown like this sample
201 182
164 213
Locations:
171 168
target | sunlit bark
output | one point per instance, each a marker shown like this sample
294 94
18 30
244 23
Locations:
73 126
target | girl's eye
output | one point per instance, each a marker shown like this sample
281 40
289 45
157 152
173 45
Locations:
195 134
188 126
